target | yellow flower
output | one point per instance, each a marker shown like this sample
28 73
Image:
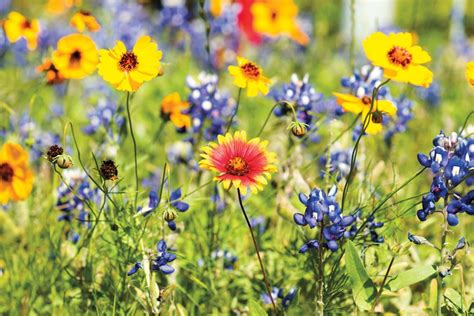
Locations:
240 162
127 70
171 109
470 72
59 6
16 26
398 57
216 7
248 75
84 19
16 178
362 105
274 18
76 56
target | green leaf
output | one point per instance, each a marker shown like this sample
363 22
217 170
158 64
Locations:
363 289
256 309
409 277
454 301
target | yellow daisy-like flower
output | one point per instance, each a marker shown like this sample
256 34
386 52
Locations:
362 105
240 162
470 72
398 57
249 75
274 18
76 56
127 70
171 109
59 6
83 20
17 26
16 178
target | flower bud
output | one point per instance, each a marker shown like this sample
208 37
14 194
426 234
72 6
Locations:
53 152
64 161
169 215
298 129
108 170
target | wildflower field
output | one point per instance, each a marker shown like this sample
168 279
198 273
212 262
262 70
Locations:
236 157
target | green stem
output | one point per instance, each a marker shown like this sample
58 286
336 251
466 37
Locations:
439 278
134 152
262 268
379 293
229 125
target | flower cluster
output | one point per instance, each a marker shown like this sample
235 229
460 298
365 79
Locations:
209 108
106 116
158 263
339 164
400 124
277 293
323 211
452 162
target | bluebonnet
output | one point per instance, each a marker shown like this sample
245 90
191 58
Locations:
176 203
72 203
339 163
181 152
371 228
159 263
404 115
218 200
259 222
104 116
153 203
208 104
451 161
277 293
323 208
228 258
430 95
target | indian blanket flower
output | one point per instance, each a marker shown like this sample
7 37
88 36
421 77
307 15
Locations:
249 75
240 162
83 20
274 18
16 178
363 105
17 26
470 72
126 69
76 56
399 58
172 109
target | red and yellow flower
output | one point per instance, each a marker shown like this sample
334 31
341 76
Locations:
171 109
362 105
126 69
240 162
249 75
399 58
76 56
470 72
53 76
17 26
83 20
16 178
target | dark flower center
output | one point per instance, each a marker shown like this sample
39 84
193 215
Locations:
75 57
86 13
53 152
108 170
366 100
250 70
377 117
128 62
26 24
399 56
274 15
237 167
6 172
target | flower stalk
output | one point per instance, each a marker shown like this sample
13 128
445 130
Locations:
134 150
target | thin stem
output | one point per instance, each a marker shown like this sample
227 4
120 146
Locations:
379 293
267 284
321 273
229 125
439 279
267 119
134 151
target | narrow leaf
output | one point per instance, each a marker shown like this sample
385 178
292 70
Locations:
363 289
409 277
255 309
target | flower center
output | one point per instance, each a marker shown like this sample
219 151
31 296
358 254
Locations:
26 24
75 57
6 172
128 62
237 167
366 100
250 70
399 56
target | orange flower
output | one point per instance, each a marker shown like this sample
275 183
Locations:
16 178
240 162
171 109
53 76
16 26
84 20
